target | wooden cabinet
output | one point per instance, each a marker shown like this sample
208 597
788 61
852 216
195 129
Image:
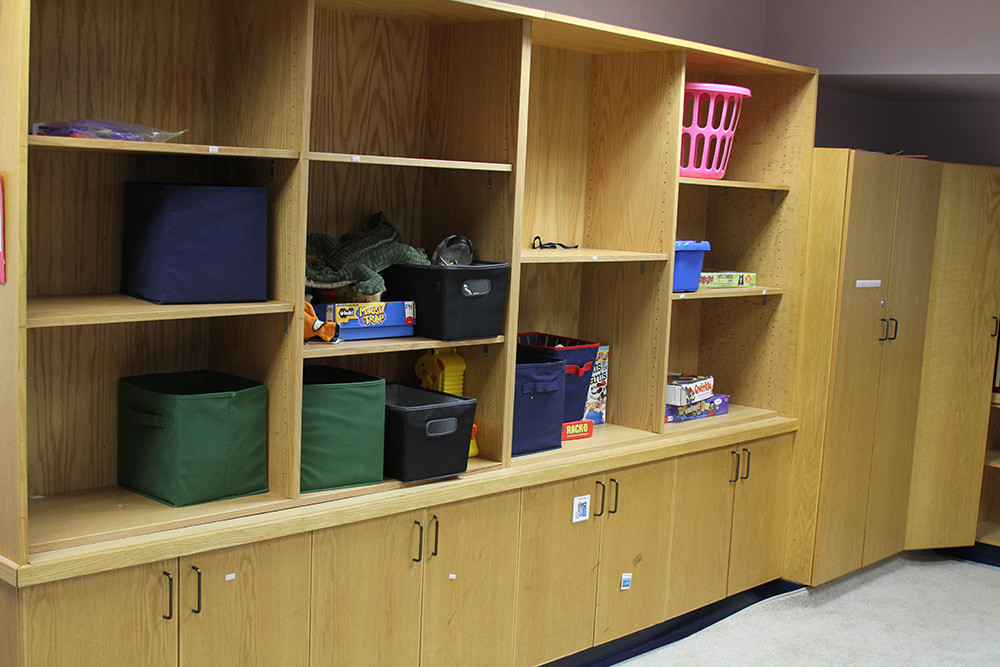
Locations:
886 209
958 361
430 587
729 522
571 573
238 606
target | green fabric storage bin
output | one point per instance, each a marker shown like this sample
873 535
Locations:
191 437
343 426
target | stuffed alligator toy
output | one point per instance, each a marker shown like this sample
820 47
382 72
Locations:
358 256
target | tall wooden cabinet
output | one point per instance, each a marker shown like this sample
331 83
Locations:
961 347
471 117
887 209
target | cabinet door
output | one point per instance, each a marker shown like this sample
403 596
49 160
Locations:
702 523
759 511
367 581
895 427
557 570
246 605
850 430
635 540
110 618
956 380
470 581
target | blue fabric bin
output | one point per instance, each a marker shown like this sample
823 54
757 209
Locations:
194 243
579 356
688 257
539 385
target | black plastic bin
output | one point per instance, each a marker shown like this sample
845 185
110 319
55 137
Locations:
427 433
191 437
343 428
579 356
452 302
194 243
539 385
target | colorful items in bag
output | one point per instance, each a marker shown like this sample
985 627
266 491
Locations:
716 404
687 389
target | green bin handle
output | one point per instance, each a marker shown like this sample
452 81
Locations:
145 418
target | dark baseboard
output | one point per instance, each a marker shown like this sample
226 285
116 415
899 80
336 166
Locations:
670 631
987 554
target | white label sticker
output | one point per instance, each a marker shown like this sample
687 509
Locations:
626 580
355 158
231 576
581 508
868 283
453 576
213 149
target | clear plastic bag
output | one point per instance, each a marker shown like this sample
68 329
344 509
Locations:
103 129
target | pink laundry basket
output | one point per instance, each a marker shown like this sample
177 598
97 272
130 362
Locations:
711 111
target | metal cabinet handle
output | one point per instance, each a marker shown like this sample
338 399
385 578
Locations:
618 491
895 328
996 327
885 330
603 492
420 552
437 532
747 474
170 597
736 474
197 610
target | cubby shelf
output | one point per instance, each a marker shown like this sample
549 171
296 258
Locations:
586 255
726 293
112 145
993 458
989 533
61 311
317 350
743 185
393 161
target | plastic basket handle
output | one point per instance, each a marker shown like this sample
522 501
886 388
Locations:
539 387
145 418
435 428
579 370
476 287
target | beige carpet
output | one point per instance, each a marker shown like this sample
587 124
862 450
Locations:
914 609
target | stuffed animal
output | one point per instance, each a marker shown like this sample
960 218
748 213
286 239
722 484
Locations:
316 327
358 256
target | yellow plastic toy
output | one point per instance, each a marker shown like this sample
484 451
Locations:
444 370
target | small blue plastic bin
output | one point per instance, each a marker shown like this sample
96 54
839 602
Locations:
688 257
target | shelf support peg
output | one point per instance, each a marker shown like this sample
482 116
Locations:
486 351
642 268
773 193
489 180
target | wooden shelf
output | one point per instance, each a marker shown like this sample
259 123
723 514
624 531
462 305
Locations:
988 532
742 185
395 161
737 415
61 311
995 400
320 350
584 255
993 458
96 515
726 293
112 145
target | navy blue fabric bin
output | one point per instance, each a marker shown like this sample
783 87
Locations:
539 385
579 356
194 243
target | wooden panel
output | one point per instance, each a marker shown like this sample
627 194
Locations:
815 341
110 618
636 540
700 538
685 337
909 285
543 285
958 357
857 352
557 572
558 124
376 69
470 582
759 511
10 627
14 31
634 125
366 592
253 602
617 300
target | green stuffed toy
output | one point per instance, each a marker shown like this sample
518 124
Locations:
358 256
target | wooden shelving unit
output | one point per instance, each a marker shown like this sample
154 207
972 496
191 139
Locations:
727 293
61 311
154 148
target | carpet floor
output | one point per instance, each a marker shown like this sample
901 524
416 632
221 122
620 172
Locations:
917 608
